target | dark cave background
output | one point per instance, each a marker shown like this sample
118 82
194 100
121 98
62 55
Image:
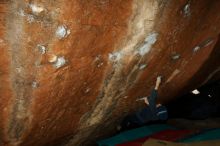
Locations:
197 107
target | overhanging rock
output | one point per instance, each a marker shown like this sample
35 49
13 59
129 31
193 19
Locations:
74 67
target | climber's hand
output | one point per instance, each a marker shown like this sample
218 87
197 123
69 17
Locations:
146 100
158 82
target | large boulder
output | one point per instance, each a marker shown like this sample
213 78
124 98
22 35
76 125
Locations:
71 69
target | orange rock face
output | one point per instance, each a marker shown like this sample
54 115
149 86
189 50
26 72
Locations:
73 68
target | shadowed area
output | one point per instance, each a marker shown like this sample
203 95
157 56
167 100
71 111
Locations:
71 69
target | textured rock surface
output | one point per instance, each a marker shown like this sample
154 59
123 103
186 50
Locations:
72 68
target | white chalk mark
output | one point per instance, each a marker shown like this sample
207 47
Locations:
114 57
208 42
203 44
60 62
148 42
19 69
142 66
176 57
62 32
196 92
197 48
151 38
42 49
21 13
100 64
35 84
36 9
30 18
87 90
187 10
